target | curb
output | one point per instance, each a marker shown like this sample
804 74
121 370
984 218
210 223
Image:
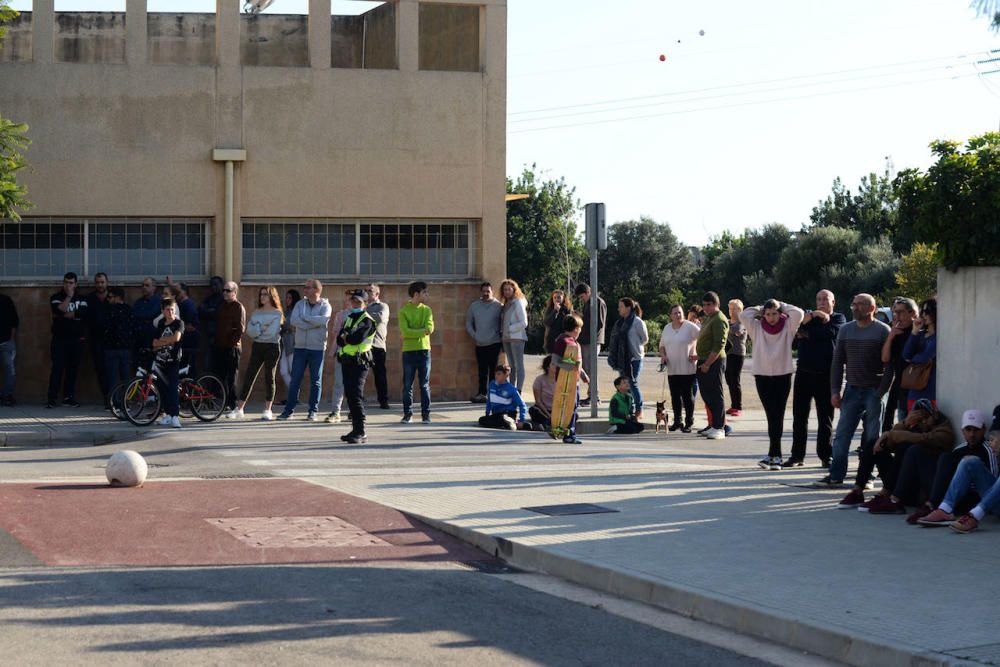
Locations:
63 439
741 616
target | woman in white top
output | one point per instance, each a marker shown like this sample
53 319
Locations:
264 329
514 329
677 352
772 329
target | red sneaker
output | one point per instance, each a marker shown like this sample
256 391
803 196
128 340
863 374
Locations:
965 524
886 505
854 498
733 412
937 518
919 514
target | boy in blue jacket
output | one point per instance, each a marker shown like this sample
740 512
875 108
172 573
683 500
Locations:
504 405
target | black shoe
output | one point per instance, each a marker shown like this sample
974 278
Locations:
675 426
70 403
686 428
585 403
824 463
792 463
384 406
357 439
572 440
8 401
347 436
50 405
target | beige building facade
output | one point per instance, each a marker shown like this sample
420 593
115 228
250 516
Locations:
265 149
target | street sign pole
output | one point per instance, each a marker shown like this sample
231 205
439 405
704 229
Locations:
597 240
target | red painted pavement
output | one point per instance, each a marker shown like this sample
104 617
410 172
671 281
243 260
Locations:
214 522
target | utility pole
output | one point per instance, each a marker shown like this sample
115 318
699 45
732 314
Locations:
597 239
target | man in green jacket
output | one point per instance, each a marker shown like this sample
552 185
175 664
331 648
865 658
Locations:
711 351
416 323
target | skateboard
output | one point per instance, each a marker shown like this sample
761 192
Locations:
564 400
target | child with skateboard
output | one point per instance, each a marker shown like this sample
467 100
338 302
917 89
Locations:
504 405
621 412
566 355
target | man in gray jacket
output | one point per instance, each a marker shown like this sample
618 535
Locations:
482 321
379 312
583 294
310 317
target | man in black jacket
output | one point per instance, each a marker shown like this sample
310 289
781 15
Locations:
815 341
9 323
69 312
583 294
117 337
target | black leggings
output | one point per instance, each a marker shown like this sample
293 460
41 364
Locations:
682 394
734 366
629 428
496 420
773 390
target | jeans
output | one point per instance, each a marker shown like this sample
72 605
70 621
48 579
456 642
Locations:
171 385
378 371
116 366
857 404
681 394
262 355
773 391
593 389
314 360
418 362
100 370
808 388
486 363
734 366
711 392
514 351
972 472
66 353
8 350
634 369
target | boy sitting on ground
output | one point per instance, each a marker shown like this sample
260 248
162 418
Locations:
621 412
504 405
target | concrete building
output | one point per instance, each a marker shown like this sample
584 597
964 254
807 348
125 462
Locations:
265 149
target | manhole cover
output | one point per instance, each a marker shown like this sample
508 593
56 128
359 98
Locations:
297 532
572 508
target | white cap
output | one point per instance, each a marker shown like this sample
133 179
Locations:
973 418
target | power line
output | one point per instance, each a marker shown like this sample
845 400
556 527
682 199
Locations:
743 104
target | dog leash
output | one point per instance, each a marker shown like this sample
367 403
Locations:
663 387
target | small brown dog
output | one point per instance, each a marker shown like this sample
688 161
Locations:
661 416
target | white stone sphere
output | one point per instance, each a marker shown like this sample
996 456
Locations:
126 468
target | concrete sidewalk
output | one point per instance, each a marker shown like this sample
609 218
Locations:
697 527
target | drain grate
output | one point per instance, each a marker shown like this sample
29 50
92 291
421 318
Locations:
287 532
240 475
572 508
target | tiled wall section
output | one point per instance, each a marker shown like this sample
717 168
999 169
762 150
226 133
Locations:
453 354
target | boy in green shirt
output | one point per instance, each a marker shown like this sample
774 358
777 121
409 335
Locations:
416 323
621 412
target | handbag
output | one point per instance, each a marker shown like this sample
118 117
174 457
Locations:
917 376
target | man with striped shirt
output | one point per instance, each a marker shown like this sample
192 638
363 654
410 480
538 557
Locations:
859 351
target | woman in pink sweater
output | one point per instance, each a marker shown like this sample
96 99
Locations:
772 328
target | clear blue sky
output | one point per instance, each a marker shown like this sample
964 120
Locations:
744 125
848 84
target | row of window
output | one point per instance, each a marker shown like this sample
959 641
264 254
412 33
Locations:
279 249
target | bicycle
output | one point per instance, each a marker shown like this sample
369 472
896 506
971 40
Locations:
205 397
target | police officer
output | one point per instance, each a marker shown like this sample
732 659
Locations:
355 340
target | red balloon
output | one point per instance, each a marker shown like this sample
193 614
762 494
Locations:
662 57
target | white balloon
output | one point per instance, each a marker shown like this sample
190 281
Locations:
126 468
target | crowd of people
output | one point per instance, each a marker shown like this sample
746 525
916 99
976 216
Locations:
879 375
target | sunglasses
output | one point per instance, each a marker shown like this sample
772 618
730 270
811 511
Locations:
226 289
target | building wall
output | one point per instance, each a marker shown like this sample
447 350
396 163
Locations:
136 140
967 362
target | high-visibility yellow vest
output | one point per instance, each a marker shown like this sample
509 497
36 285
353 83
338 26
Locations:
365 345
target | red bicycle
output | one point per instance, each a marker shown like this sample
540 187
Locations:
205 398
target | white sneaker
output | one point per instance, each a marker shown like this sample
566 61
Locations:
235 413
715 434
164 420
267 416
175 422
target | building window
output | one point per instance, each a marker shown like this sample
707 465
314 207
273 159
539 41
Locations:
449 37
297 249
125 248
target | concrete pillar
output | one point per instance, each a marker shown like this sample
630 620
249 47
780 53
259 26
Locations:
135 32
408 35
43 25
493 62
227 33
319 34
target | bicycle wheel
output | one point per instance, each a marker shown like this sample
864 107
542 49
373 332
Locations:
207 397
187 387
115 400
141 403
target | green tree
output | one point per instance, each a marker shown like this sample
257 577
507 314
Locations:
990 8
544 249
872 211
917 275
745 269
959 205
13 143
646 261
